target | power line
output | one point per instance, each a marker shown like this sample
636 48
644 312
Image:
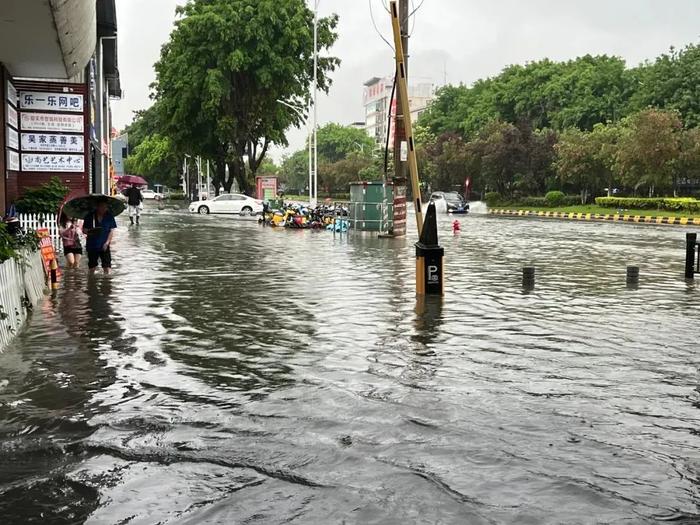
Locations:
374 23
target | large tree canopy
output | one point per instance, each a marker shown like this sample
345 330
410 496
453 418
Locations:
221 76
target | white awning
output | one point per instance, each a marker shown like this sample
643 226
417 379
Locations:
47 38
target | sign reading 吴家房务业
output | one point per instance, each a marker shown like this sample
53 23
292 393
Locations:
11 93
52 122
52 162
12 138
12 160
43 101
53 143
12 116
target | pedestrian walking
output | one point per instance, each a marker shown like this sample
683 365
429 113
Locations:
70 236
99 227
135 201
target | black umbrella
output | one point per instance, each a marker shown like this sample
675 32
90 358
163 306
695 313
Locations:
80 207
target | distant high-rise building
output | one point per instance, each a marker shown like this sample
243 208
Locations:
378 106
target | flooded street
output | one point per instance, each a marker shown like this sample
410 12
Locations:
230 373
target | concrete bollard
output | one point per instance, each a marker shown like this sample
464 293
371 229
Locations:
529 276
632 274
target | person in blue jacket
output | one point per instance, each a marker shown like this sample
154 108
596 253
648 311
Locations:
99 228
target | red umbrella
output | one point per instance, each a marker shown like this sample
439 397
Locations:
132 180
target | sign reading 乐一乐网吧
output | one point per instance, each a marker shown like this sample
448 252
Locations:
50 162
52 122
53 142
44 101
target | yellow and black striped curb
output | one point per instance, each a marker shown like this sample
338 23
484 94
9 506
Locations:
616 217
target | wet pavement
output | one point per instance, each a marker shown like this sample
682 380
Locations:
229 373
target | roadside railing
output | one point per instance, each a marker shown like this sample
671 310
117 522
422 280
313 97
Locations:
378 219
48 221
22 284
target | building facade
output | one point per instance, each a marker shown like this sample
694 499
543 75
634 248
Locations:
379 105
56 80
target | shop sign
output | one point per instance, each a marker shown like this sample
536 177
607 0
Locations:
12 140
52 122
11 93
51 162
53 143
12 116
12 160
44 101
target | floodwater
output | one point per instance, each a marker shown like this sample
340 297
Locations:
230 373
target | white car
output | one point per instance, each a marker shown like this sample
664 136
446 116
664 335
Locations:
151 195
231 203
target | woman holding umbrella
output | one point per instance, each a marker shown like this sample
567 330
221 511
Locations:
99 212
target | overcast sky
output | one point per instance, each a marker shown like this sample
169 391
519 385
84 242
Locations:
461 40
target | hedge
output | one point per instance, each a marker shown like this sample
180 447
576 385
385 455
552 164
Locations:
494 199
640 203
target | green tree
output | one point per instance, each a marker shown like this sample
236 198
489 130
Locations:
294 171
501 155
337 142
155 159
671 82
335 177
649 147
687 165
223 71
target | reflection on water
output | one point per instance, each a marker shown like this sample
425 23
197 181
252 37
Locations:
229 373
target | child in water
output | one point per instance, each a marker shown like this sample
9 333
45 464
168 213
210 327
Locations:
72 248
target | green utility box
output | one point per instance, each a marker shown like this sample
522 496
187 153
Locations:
371 206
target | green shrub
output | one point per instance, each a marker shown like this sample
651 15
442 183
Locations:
493 198
7 244
555 198
176 196
10 245
641 203
46 198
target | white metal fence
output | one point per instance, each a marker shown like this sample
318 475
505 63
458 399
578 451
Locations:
35 221
22 282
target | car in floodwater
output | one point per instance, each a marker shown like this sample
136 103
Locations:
229 203
449 202
150 195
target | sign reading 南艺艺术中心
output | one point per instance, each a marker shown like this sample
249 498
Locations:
12 160
44 101
52 122
52 162
53 143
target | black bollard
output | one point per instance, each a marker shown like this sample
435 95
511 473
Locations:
528 276
429 255
632 274
691 240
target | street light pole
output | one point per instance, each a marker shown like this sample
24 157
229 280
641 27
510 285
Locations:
208 180
185 182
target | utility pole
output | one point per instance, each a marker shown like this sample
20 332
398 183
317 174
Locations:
400 146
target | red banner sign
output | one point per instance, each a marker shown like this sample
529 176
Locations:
48 254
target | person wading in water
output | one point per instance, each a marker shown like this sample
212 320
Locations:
72 249
99 227
135 201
